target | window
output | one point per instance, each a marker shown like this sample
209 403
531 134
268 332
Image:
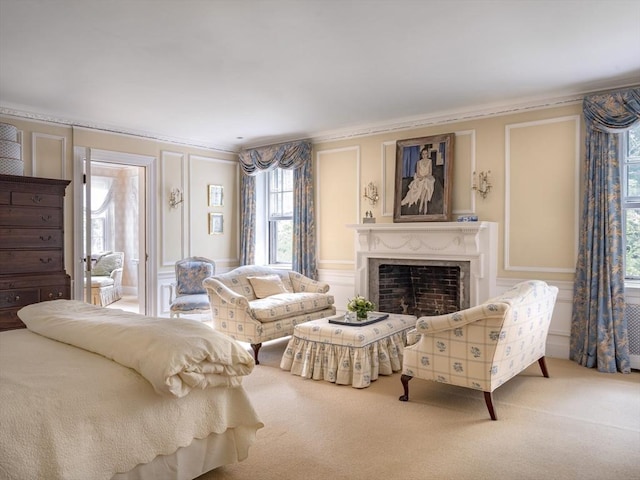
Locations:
631 201
280 216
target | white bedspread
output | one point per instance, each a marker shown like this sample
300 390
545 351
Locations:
174 355
66 413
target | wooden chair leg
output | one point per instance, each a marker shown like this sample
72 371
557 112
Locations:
543 367
488 398
256 349
405 385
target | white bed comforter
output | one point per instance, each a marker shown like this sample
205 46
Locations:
67 413
174 355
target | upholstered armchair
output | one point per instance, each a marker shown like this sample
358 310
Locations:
255 304
106 278
188 295
484 346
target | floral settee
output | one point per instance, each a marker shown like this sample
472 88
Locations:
255 304
484 346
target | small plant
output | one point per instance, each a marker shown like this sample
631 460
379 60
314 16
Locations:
360 305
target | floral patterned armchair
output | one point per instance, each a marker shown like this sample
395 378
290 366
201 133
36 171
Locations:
188 296
106 278
484 346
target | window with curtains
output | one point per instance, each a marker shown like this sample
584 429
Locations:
280 216
631 201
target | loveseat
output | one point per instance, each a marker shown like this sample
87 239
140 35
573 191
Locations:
484 346
255 304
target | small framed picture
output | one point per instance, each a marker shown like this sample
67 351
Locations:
216 223
215 196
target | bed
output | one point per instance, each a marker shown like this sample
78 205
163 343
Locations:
93 393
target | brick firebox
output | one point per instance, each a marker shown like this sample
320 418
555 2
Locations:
418 287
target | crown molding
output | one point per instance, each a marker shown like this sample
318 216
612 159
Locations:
38 117
440 118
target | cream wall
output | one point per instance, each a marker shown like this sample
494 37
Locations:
533 158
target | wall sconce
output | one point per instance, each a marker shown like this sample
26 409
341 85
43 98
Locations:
175 198
371 193
482 183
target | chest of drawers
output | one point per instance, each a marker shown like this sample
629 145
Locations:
31 244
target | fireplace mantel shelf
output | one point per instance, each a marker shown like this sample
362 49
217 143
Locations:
421 227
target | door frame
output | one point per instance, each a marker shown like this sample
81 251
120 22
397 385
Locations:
149 164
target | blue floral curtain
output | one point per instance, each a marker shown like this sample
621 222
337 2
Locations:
293 155
598 327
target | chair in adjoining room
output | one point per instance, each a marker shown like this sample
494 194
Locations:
188 295
484 346
106 278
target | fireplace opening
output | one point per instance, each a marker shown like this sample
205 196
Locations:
418 287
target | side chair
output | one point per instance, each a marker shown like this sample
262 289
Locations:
188 295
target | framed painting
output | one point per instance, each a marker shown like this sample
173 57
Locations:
215 196
423 179
216 224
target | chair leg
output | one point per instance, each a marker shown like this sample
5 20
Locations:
256 349
488 398
405 385
543 367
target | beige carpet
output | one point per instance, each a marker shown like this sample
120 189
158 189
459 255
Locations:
578 424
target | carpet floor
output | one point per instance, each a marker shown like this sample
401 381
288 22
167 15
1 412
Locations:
578 424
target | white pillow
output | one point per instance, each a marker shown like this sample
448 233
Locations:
267 285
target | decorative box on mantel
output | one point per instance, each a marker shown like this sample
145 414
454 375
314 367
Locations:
472 247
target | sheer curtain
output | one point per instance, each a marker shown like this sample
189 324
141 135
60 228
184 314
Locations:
598 327
296 156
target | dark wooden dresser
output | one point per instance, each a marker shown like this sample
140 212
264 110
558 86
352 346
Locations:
31 245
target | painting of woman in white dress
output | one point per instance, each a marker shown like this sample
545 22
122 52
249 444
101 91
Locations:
423 173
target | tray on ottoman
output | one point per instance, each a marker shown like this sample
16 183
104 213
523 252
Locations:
372 318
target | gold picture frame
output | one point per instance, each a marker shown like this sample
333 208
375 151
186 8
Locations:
424 175
216 224
216 196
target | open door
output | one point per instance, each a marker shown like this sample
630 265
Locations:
112 211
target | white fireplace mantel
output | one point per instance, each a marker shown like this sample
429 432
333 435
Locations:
473 242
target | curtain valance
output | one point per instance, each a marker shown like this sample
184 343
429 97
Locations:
283 155
612 111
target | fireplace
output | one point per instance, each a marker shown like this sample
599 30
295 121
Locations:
426 268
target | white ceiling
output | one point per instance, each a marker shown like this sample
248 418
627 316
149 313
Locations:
227 74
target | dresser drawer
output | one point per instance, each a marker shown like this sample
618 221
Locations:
19 298
30 238
31 217
55 292
36 199
5 198
30 261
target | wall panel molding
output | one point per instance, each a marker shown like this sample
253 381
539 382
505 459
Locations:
35 160
547 187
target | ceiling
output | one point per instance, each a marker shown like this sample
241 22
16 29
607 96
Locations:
232 74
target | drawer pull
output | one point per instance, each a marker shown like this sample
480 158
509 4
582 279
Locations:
60 294
36 199
45 239
15 299
50 294
45 218
48 260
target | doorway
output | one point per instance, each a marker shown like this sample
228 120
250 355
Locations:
113 199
